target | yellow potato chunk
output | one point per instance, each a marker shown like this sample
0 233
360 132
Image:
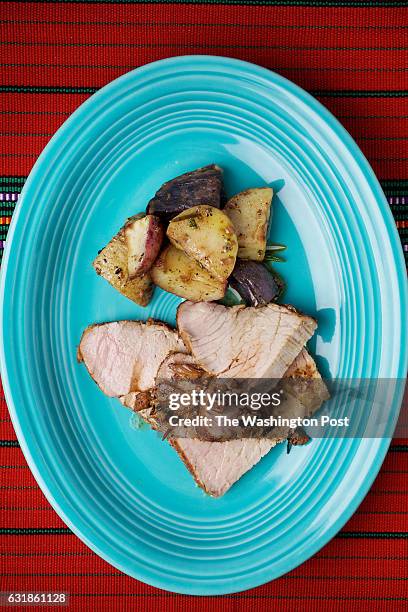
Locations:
207 235
177 273
249 212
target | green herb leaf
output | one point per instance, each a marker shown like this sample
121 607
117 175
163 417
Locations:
270 257
272 247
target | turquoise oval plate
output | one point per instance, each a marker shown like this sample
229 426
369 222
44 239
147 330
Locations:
123 491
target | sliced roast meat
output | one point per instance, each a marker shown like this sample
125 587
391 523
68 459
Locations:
216 466
124 356
303 366
124 359
179 366
307 386
243 342
136 400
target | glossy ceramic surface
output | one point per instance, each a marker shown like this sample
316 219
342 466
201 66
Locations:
123 491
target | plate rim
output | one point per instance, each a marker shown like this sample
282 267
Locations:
396 252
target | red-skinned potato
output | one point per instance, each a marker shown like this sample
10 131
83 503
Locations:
111 263
144 237
254 283
202 186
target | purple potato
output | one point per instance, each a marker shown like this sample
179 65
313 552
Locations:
202 186
254 283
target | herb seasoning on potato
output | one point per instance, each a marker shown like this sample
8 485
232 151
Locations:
207 235
177 273
112 264
205 243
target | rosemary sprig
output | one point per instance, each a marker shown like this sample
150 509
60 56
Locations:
273 247
270 257
271 250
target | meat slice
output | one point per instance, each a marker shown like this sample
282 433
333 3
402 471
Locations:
309 388
123 357
303 366
216 466
243 342
179 366
136 400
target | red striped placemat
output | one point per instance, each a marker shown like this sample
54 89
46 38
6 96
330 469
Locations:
354 57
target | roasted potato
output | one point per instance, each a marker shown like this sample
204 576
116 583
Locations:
254 283
112 264
202 186
183 276
144 237
249 212
207 235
